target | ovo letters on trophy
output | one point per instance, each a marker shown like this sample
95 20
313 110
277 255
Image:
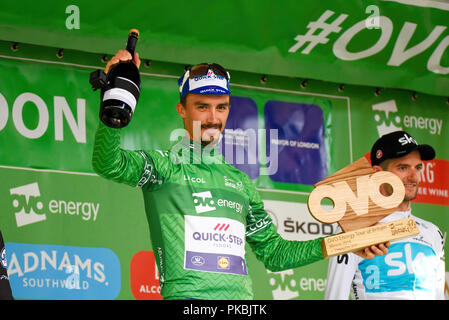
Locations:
358 205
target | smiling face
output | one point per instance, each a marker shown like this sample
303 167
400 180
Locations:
204 116
408 168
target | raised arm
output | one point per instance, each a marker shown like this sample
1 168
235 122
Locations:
114 163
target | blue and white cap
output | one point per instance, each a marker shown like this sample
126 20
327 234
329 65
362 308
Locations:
209 83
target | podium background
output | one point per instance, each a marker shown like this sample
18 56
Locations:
70 234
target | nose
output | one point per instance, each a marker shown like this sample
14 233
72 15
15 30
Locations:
415 175
212 116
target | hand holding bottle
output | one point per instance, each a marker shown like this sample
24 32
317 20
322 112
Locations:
122 56
121 89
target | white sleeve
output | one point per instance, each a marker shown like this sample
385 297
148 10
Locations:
340 273
440 280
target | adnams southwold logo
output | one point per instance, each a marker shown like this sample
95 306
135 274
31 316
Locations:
41 271
29 207
388 120
204 202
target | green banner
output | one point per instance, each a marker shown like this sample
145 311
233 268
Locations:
394 44
72 235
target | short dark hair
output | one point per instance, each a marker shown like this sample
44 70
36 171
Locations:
183 100
385 164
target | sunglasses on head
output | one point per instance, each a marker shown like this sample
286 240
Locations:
203 68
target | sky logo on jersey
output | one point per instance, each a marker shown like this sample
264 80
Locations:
408 266
55 272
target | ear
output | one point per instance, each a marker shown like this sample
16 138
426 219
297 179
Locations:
377 168
181 110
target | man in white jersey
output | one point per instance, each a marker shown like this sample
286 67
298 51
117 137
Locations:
414 266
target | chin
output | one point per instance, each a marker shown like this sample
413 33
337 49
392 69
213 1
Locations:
411 197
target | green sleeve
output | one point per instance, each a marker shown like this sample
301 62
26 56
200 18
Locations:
276 253
114 163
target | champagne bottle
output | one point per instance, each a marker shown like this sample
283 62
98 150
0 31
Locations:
120 95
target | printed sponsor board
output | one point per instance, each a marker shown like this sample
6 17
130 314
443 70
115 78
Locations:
144 276
40 206
41 271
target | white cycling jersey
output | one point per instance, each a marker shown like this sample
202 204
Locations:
412 269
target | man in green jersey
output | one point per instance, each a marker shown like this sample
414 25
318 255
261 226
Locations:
199 223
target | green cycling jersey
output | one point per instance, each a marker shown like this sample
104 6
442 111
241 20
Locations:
201 213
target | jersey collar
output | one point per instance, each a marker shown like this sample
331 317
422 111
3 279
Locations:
397 215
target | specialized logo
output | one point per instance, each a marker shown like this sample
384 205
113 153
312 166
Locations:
29 207
38 271
235 184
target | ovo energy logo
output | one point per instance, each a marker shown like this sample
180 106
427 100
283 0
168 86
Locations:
203 202
29 207
388 120
26 201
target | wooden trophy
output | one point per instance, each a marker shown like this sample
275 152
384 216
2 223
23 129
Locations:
358 205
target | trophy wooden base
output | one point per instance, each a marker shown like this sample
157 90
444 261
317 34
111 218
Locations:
361 238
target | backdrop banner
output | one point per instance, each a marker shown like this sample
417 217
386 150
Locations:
377 43
70 234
